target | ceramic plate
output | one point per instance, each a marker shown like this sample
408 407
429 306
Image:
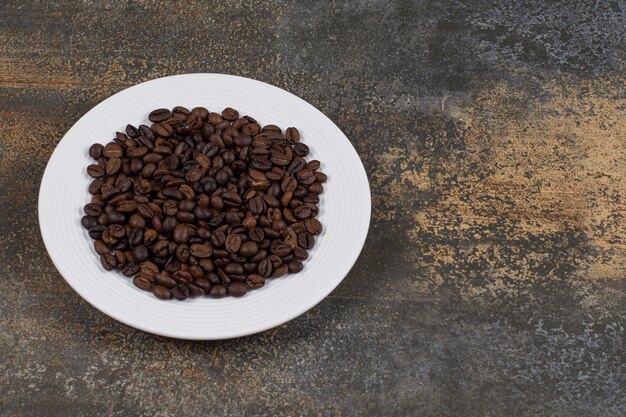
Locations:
344 210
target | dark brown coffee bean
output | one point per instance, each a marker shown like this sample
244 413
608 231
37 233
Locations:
256 234
112 150
181 233
140 253
108 261
223 276
320 177
233 268
300 254
113 165
292 135
289 184
279 248
159 115
130 269
237 289
302 212
313 226
217 291
96 232
161 292
185 217
231 199
194 290
200 251
127 206
316 188
143 283
88 222
257 205
306 240
164 279
95 185
301 149
265 268
95 151
233 243
295 266
180 292
203 283
255 281
249 249
280 271
230 114
101 247
95 171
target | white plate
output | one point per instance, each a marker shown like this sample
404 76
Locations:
344 210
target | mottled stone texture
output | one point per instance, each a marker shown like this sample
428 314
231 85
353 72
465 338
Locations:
493 279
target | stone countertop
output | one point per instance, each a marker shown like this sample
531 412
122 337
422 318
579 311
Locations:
493 280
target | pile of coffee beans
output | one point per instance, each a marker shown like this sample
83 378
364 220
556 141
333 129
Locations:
203 203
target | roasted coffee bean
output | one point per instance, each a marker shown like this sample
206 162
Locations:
233 243
113 165
126 206
301 149
88 222
140 253
95 171
306 240
96 232
112 150
223 276
249 249
164 279
95 151
195 290
116 217
237 289
320 177
279 248
159 115
255 281
234 268
95 185
161 292
265 268
143 283
289 184
181 233
295 266
101 247
180 292
203 283
130 269
292 134
313 226
300 254
256 234
217 291
135 237
230 114
200 251
316 188
182 277
108 261
280 271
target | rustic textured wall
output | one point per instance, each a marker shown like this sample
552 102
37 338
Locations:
493 279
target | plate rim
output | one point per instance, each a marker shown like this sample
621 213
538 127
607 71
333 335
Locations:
169 334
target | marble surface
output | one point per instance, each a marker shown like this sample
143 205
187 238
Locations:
492 282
